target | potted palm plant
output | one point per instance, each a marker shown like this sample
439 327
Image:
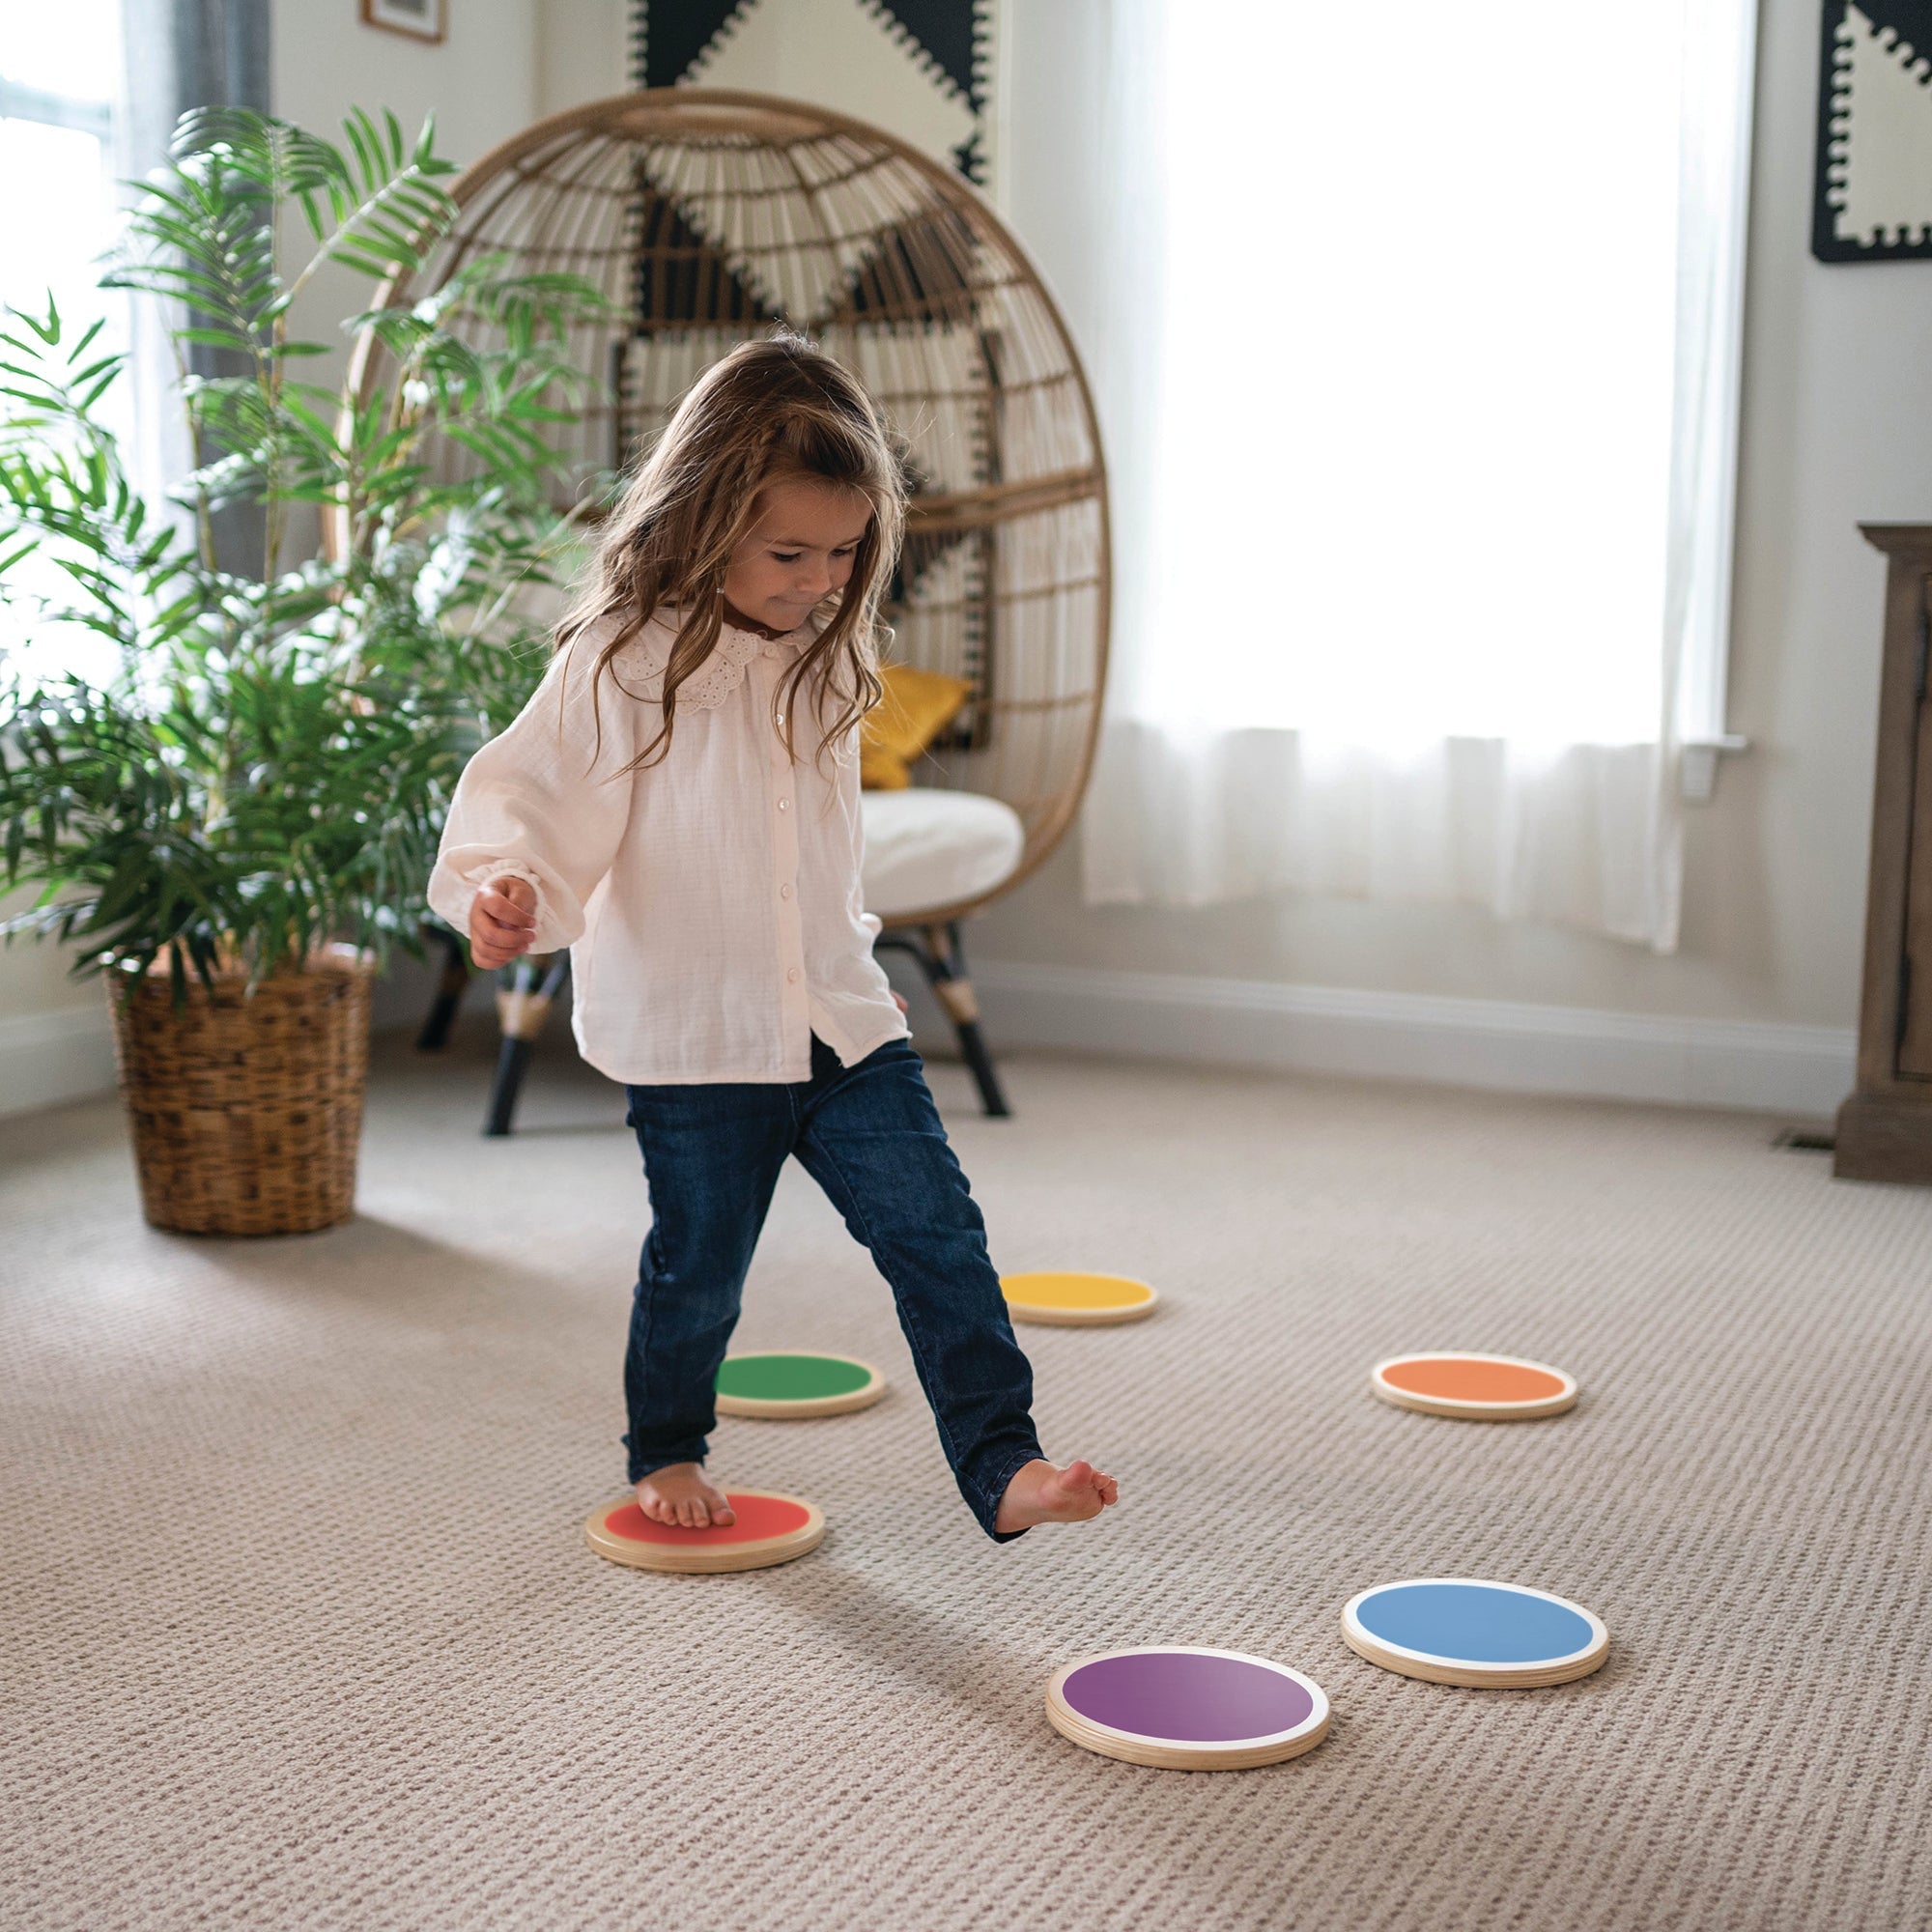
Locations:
234 817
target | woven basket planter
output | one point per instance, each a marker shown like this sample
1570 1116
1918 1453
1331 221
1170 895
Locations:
248 1107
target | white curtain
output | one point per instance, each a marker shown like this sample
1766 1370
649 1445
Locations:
181 54
1420 380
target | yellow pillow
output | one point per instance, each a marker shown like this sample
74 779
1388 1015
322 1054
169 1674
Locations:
917 707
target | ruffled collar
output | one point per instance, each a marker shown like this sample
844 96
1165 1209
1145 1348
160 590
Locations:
644 657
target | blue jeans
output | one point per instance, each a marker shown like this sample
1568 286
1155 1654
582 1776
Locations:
871 1138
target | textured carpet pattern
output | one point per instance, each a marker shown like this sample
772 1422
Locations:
298 1629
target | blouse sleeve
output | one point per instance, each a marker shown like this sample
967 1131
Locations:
847 784
543 801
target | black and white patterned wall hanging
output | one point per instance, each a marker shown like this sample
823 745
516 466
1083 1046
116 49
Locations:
918 68
1872 200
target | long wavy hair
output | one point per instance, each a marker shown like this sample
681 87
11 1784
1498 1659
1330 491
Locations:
771 411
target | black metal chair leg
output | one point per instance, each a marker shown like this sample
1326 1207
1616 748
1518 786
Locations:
972 1044
942 957
522 1010
449 988
513 1061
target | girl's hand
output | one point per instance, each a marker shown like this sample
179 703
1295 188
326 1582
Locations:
502 922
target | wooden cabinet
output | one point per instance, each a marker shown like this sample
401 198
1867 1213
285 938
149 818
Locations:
1884 1129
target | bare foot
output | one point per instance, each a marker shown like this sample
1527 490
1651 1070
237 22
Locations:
1042 1494
677 1495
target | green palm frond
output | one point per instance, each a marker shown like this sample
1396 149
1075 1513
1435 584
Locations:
270 766
383 207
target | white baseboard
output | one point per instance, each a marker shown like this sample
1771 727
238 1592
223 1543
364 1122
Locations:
50 1058
1798 1070
47 1060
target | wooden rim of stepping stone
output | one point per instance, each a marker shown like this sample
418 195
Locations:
1471 1632
1476 1387
771 1528
1186 1707
794 1385
1065 1301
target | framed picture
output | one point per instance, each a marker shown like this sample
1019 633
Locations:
922 68
1872 195
420 19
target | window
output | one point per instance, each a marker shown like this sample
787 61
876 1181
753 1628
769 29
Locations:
1421 314
59 74
60 67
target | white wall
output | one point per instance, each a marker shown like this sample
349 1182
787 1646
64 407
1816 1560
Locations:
583 53
1837 427
480 82
54 1041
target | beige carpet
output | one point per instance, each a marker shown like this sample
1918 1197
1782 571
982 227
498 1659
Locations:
298 1629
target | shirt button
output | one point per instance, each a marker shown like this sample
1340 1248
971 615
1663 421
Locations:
785 892
792 976
784 805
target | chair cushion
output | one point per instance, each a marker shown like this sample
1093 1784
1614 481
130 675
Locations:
926 850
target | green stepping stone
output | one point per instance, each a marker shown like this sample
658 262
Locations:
796 1383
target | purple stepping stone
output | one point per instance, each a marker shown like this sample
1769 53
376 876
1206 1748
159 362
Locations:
1188 1696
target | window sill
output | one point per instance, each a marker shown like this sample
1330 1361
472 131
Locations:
1697 766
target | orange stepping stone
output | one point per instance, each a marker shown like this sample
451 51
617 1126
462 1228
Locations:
1480 1388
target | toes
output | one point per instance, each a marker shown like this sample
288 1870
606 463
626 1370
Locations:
690 1512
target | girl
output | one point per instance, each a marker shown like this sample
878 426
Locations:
679 804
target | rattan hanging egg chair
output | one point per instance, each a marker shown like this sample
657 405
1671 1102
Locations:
705 216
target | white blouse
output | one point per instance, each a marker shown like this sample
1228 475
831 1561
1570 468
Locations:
710 901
